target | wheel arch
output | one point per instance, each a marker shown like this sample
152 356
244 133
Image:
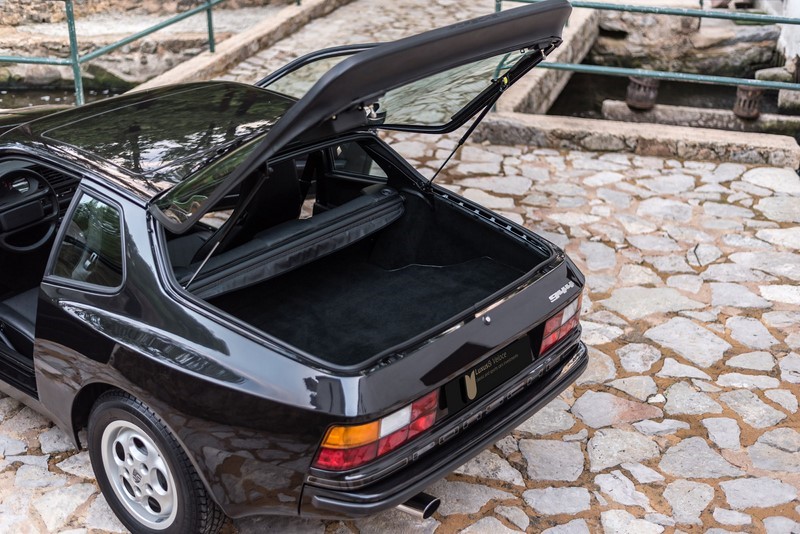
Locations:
82 406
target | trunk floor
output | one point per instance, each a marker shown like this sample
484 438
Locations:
346 312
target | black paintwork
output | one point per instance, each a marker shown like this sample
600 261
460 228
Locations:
149 141
337 103
250 411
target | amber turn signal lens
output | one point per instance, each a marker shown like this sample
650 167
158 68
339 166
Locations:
347 447
347 437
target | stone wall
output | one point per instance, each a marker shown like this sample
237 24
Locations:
537 90
684 44
642 40
666 141
16 12
790 37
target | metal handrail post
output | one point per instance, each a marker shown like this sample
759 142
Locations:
138 35
73 53
210 19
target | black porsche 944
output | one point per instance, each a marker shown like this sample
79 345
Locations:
256 306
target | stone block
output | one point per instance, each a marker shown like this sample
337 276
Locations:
775 74
641 139
789 101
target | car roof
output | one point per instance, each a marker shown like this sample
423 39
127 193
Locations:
150 141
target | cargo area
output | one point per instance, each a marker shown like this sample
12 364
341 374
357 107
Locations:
436 262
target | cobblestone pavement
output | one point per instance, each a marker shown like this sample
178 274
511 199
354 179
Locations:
362 21
687 417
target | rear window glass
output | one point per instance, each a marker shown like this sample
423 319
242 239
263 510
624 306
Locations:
431 101
191 196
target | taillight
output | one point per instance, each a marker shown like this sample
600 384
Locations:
558 326
346 447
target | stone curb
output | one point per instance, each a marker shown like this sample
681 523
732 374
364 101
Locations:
723 119
232 51
678 142
538 90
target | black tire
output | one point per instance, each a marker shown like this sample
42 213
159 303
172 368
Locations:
127 422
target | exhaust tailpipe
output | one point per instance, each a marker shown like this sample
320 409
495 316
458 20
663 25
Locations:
420 505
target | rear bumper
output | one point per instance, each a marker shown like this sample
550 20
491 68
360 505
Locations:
478 429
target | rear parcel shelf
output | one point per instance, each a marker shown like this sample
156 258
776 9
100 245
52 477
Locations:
295 243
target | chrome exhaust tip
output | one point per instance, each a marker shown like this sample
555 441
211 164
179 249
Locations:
420 505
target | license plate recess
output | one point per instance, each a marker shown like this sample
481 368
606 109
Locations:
487 375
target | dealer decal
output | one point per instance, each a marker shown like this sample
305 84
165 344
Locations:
472 385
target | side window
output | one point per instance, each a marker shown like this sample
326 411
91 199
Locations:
352 158
92 248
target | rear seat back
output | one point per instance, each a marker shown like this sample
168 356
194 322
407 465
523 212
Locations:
295 243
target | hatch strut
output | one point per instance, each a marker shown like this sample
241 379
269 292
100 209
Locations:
468 133
504 82
226 228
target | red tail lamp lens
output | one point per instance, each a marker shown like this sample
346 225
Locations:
558 326
342 459
428 403
349 446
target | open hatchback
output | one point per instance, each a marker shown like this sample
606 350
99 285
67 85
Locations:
283 311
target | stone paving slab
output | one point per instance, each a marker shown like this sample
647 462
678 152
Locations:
644 139
233 51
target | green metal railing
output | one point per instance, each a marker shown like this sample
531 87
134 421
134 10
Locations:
75 59
665 75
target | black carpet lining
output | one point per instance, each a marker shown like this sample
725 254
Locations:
346 310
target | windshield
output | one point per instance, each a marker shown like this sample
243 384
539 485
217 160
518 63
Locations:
430 102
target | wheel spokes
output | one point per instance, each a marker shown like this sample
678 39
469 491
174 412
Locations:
139 474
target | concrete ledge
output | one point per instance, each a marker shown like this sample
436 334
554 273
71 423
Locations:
539 89
678 142
723 119
232 51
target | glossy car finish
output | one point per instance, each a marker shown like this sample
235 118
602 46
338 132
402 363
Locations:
249 410
247 428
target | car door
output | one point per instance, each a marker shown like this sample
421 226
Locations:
84 280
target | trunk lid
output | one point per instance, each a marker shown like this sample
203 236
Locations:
432 82
426 82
